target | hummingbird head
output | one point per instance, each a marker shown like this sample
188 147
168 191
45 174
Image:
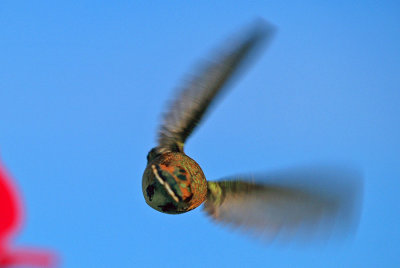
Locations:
173 183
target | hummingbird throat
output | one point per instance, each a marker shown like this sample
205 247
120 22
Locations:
164 183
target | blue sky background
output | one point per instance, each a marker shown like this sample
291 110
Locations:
83 85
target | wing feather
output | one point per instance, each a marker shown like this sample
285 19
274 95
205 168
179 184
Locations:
200 92
307 203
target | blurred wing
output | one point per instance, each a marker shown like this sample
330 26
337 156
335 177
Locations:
195 97
305 203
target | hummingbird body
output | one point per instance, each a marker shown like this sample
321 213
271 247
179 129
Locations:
173 183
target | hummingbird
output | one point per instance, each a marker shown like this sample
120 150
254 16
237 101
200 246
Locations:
287 202
10 220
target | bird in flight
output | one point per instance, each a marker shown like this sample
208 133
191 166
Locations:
288 202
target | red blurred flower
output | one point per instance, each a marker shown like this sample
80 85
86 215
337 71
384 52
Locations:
11 216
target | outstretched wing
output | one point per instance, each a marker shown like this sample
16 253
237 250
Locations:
195 97
303 203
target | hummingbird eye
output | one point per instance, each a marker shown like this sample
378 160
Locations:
150 191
